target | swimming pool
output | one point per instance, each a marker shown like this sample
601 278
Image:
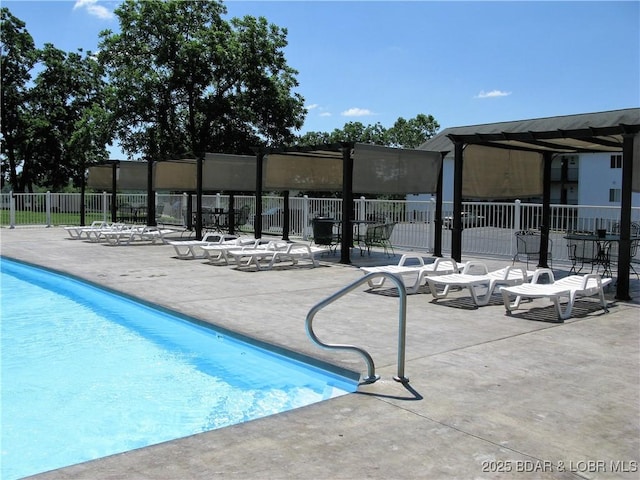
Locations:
86 374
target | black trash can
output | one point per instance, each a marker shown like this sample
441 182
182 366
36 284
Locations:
323 231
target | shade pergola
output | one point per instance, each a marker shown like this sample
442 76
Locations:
213 172
220 171
117 175
128 175
217 172
350 167
517 156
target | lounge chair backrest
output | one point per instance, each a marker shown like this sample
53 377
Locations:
473 266
540 273
411 258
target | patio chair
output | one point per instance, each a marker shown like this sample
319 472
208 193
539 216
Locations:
294 253
75 232
569 288
412 264
242 217
192 249
582 251
379 236
136 233
273 252
217 253
612 255
528 246
96 235
485 280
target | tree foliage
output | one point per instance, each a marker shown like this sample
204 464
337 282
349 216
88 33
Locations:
54 124
185 80
67 117
18 55
403 134
177 79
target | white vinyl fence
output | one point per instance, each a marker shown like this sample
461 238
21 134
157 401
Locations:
488 227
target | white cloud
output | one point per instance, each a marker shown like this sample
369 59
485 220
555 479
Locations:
357 112
94 9
325 114
312 106
492 94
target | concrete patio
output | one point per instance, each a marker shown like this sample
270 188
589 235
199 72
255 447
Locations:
490 395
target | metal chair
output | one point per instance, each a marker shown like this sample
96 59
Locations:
528 244
612 254
582 251
379 236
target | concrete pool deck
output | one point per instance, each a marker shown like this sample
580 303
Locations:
490 395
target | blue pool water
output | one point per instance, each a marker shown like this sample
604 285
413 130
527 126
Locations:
86 373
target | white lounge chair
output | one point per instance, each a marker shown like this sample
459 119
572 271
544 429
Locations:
96 235
155 233
252 256
75 232
274 252
136 233
412 264
121 236
296 252
485 281
217 253
191 249
569 287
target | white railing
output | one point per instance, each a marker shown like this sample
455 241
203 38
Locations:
488 227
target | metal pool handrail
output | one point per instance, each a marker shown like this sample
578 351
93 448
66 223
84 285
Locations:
402 325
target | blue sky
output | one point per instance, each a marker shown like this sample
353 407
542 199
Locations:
465 63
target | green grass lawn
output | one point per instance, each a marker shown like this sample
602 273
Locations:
40 218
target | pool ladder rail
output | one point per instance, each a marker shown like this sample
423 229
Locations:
402 325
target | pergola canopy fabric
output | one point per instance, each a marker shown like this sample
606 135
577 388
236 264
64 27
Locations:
635 180
129 176
309 171
589 132
496 173
132 175
219 172
100 177
376 169
387 170
177 175
233 173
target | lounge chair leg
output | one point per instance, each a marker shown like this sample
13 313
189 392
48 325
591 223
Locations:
562 316
481 300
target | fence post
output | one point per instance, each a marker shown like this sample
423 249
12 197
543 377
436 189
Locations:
47 208
517 223
218 200
184 207
104 206
431 231
362 209
12 210
305 217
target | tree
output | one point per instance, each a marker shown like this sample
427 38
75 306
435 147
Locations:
67 121
18 55
404 134
185 80
413 132
51 126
